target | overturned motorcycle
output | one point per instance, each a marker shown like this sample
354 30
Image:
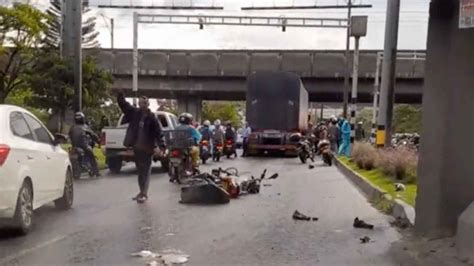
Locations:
220 186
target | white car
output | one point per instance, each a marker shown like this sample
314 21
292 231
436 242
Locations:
34 169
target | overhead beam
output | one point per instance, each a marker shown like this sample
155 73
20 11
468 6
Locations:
280 21
162 7
303 7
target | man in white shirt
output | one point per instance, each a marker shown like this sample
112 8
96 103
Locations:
245 135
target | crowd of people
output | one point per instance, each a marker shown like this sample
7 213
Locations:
338 132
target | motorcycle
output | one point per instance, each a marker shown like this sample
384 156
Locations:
229 149
305 150
217 152
181 165
324 148
204 151
78 163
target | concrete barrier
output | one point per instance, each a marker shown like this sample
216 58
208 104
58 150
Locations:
400 209
465 235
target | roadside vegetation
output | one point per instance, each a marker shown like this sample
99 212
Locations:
385 168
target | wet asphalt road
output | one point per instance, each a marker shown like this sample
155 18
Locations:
105 225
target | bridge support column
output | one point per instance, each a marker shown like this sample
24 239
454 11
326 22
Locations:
192 105
446 166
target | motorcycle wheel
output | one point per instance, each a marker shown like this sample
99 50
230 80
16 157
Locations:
302 158
177 174
218 157
76 169
327 159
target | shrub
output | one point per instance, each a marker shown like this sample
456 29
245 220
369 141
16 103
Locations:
364 155
399 163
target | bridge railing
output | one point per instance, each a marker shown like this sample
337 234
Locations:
240 63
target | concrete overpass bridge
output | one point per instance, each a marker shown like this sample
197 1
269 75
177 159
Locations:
193 76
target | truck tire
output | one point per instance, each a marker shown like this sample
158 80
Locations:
115 164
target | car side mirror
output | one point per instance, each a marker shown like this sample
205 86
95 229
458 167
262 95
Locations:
59 139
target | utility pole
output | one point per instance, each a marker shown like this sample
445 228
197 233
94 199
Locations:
384 128
112 33
71 44
355 83
358 29
135 58
346 61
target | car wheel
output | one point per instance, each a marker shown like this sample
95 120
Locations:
115 164
24 209
65 202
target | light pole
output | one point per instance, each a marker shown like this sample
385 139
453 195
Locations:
358 29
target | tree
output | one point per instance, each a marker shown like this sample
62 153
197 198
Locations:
52 82
21 31
21 98
223 111
53 34
406 119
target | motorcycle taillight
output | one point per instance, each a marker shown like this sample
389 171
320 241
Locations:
174 153
229 142
103 139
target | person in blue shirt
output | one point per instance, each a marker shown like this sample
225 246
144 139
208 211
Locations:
345 134
185 123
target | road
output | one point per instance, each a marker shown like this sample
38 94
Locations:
106 226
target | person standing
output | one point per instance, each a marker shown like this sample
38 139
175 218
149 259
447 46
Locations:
345 133
359 132
333 134
245 136
144 136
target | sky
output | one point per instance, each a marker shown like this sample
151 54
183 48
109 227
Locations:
412 29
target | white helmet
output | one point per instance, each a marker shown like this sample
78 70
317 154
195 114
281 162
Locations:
217 122
207 123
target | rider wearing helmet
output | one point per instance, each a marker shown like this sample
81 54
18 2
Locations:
231 135
185 123
82 137
205 130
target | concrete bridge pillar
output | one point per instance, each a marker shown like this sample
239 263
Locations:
192 105
446 167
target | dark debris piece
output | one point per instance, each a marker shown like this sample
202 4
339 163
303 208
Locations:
311 166
267 185
274 176
365 240
362 224
299 216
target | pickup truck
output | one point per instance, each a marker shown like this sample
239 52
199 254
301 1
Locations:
112 143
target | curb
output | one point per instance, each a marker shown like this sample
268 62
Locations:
400 209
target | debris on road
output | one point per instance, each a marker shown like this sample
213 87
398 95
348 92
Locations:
267 185
174 256
299 216
146 254
153 263
358 223
399 187
205 191
274 176
311 166
146 228
400 223
169 234
364 240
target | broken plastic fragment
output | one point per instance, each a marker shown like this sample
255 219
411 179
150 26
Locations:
145 254
365 239
174 256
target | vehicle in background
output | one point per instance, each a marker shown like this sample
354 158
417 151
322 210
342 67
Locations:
115 153
277 106
240 138
34 169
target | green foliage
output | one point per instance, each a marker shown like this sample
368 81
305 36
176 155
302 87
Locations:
52 80
406 119
21 30
384 182
224 111
106 115
21 97
53 34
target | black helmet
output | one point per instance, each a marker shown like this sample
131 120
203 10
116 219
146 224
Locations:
185 118
80 118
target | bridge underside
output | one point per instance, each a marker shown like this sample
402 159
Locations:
234 88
